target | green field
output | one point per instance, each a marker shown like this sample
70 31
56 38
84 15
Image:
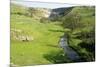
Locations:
45 40
34 42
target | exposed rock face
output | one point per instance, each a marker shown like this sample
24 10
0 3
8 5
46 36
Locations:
39 13
24 38
46 12
52 13
19 35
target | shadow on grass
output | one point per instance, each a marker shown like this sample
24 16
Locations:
89 54
55 30
88 47
56 57
55 46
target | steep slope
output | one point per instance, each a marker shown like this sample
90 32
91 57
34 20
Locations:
59 12
81 23
36 13
18 9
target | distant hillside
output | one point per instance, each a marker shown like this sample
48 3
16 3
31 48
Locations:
84 11
18 9
54 14
36 13
86 14
60 12
39 12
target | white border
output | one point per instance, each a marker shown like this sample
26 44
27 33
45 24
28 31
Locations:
4 33
5 40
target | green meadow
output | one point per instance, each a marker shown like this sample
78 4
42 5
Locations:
34 42
44 40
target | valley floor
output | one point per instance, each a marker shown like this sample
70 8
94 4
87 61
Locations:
44 37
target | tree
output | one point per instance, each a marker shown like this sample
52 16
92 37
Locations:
71 21
44 20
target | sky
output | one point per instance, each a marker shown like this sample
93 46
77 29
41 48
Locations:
42 4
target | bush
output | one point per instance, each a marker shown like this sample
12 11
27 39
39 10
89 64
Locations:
44 20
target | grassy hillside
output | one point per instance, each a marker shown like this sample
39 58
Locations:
18 9
81 23
45 39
